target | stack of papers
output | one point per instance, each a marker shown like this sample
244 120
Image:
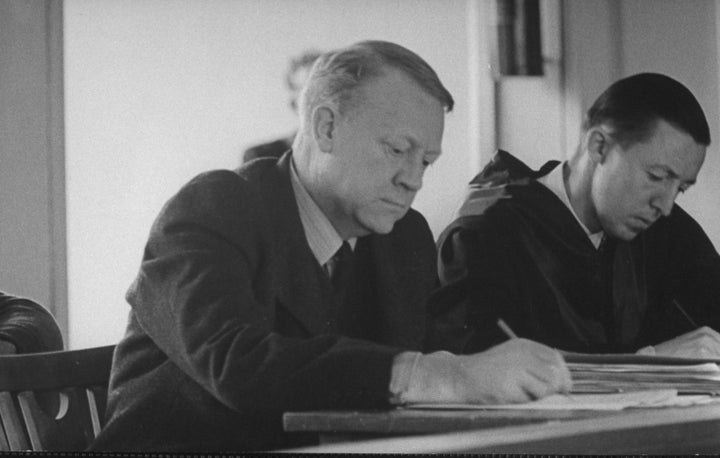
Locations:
624 373
620 381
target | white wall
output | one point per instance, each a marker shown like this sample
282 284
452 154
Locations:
158 91
32 184
592 42
530 116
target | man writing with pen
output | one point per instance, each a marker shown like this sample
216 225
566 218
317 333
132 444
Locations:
300 283
589 255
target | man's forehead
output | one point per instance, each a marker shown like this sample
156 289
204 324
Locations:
399 98
404 131
673 150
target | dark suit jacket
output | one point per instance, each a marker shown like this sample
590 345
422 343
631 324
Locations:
274 149
234 322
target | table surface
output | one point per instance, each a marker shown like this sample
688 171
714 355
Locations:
683 430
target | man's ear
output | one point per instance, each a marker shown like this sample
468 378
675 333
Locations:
597 144
324 121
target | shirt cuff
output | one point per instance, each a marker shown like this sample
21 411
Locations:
402 371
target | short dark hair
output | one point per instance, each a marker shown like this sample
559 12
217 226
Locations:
337 75
633 105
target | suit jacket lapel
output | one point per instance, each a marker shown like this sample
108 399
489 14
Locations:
303 290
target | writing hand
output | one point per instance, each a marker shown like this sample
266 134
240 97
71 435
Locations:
518 370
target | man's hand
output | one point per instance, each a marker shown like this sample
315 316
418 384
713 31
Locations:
703 342
518 370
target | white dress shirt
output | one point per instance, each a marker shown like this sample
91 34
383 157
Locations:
555 182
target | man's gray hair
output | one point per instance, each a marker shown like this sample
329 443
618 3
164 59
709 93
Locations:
337 75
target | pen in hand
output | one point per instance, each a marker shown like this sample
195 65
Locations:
511 334
506 329
684 313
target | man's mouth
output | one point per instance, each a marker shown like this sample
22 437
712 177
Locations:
392 203
642 223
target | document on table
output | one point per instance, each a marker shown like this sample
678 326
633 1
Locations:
633 358
620 381
607 375
609 401
710 370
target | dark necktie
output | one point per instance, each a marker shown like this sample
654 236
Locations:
339 265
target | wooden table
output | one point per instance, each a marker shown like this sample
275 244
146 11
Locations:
680 430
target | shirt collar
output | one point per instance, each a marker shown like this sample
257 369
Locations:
323 239
554 182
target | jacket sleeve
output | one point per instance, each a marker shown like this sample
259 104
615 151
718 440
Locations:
693 270
194 297
476 289
28 326
273 149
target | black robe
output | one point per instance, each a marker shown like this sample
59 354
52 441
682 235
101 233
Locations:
518 253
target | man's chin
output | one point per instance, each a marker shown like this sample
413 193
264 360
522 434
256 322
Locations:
384 229
381 227
625 233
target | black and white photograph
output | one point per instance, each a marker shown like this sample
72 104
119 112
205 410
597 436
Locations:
360 226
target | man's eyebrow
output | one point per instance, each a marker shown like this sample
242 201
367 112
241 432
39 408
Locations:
414 144
672 173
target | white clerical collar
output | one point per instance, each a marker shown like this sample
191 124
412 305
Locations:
323 239
554 182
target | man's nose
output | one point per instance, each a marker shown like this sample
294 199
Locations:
410 176
665 200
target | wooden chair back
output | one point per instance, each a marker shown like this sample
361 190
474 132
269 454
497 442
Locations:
54 400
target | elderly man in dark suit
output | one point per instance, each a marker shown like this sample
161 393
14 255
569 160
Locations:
242 309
